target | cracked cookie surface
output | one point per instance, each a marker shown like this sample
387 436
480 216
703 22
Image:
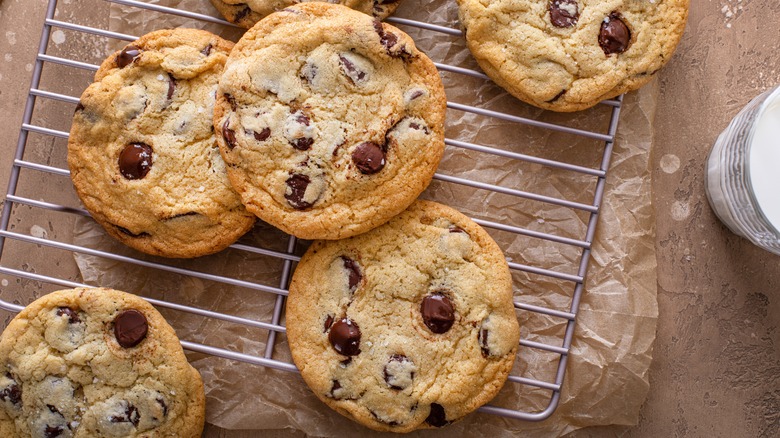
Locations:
411 325
96 363
142 152
568 55
330 122
246 13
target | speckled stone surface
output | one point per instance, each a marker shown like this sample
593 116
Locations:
715 371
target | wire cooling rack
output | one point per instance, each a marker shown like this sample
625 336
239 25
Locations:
38 242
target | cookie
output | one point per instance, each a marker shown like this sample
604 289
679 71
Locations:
568 55
142 152
408 326
330 122
98 363
246 13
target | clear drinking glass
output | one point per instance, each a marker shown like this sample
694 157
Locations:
742 178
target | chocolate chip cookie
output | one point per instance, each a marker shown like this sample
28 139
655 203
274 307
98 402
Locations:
246 13
568 55
97 363
142 151
408 326
330 122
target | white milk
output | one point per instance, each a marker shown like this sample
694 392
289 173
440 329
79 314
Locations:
743 173
764 161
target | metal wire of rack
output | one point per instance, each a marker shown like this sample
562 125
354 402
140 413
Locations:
289 257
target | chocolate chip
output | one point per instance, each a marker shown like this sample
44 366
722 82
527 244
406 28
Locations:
124 230
161 402
79 107
557 96
302 143
53 409
376 416
73 316
135 160
328 323
336 385
456 229
415 94
231 100
564 13
297 185
229 135
346 362
399 377
131 415
262 135
130 328
438 312
344 336
388 39
242 13
127 56
437 417
369 157
615 35
53 431
350 69
12 392
207 50
171 86
353 270
482 336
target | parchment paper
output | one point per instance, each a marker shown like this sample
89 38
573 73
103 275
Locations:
606 380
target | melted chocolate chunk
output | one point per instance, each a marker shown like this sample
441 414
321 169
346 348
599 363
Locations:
127 56
171 86
12 392
392 378
131 415
557 96
130 328
615 35
350 69
302 143
437 417
124 230
73 316
388 39
344 336
229 135
328 323
135 160
207 50
53 431
353 269
482 337
231 100
369 157
564 13
240 15
438 312
297 184
262 135
161 402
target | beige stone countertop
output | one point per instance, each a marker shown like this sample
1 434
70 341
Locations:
716 366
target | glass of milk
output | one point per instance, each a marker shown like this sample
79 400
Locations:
742 178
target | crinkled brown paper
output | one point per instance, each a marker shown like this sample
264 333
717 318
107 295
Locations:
607 375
